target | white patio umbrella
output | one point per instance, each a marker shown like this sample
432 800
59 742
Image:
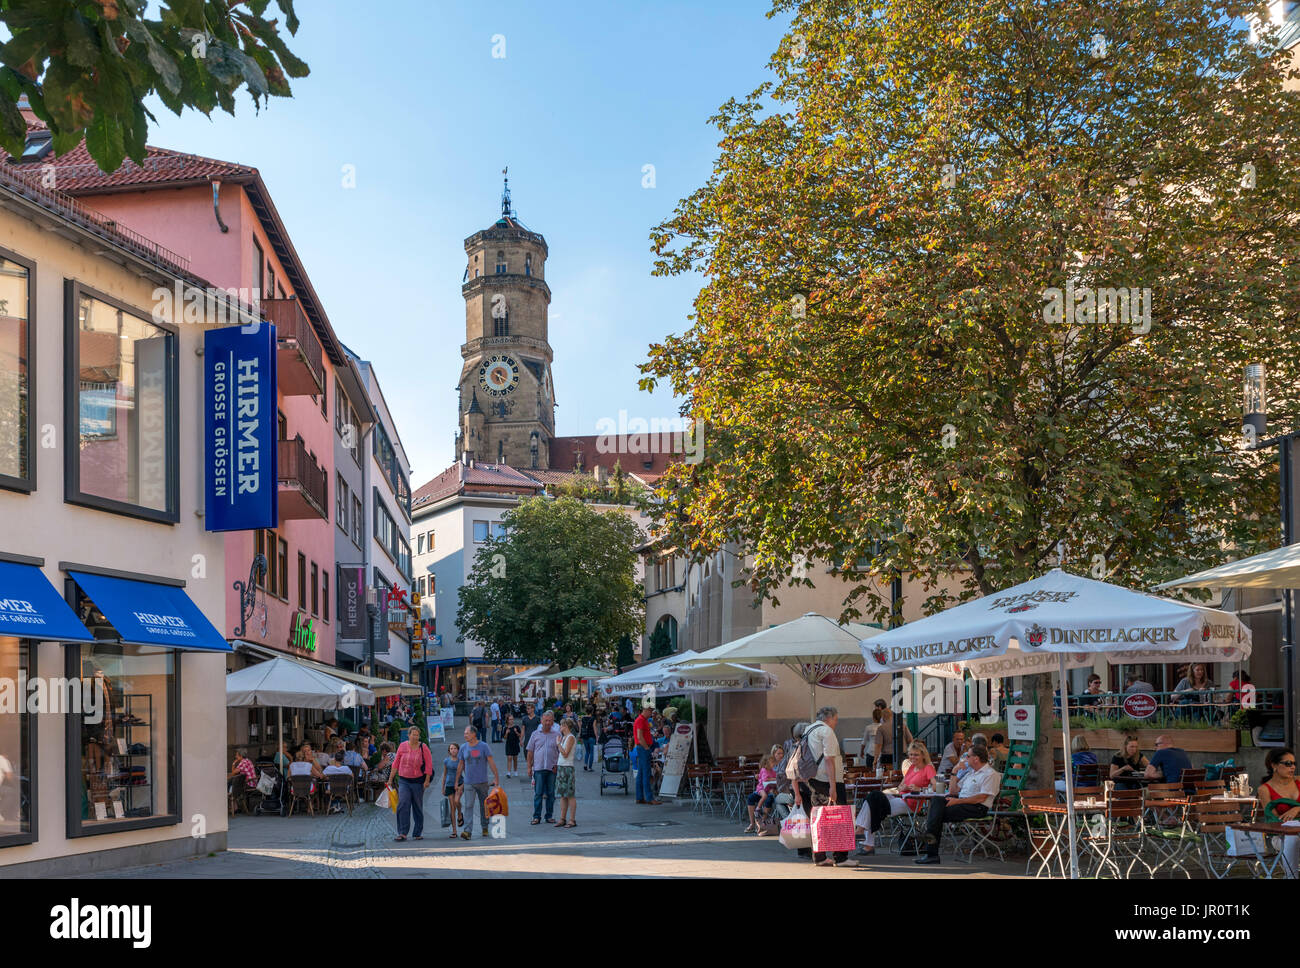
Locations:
283 682
1056 615
810 645
652 673
1279 568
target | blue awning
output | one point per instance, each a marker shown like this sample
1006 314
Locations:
458 660
30 607
147 613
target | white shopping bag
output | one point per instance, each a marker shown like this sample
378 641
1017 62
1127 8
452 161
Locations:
1245 843
796 831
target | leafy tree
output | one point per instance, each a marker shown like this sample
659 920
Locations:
660 643
875 348
626 656
87 66
560 586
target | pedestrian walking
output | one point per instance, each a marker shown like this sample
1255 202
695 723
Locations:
495 712
514 742
478 718
543 755
450 788
566 782
587 733
413 770
475 759
531 722
643 739
827 787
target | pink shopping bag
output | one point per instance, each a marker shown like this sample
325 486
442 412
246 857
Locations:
832 828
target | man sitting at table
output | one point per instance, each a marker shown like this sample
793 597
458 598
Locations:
1168 761
952 752
972 800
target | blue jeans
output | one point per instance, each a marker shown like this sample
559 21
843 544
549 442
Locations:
410 797
496 731
589 752
543 789
645 786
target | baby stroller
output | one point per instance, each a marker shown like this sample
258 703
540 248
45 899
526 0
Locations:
614 765
274 802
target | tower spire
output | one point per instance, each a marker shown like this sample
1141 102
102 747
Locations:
506 211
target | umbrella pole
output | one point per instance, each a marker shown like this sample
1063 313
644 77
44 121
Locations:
695 731
1069 771
279 733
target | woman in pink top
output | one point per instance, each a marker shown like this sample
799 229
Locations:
413 767
761 799
918 776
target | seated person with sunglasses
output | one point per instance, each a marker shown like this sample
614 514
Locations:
969 801
1278 796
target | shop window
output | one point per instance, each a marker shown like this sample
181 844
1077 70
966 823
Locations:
122 746
123 381
17 786
17 418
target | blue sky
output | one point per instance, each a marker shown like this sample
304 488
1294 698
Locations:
410 94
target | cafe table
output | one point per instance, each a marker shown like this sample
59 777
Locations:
1057 818
1269 864
914 814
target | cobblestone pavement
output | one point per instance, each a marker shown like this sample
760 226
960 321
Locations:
614 837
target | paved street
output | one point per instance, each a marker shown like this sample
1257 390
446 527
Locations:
614 838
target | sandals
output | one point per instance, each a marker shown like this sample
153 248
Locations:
534 822
399 838
571 824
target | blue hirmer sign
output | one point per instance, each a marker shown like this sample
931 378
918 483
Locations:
239 426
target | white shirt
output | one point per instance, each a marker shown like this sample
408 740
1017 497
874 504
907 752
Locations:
982 782
496 712
949 758
333 769
300 768
567 760
822 742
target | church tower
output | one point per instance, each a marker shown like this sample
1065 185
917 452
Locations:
507 400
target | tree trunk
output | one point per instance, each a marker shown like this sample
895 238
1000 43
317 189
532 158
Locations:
1038 692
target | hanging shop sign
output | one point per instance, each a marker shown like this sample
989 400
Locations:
302 632
845 675
1140 705
352 601
239 429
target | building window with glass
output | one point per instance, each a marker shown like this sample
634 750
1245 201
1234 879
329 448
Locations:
324 595
480 532
302 582
315 589
17 417
358 521
121 408
17 785
122 747
341 503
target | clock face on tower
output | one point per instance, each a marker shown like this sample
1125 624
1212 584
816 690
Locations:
498 375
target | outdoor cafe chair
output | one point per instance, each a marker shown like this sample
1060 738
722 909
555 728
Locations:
1169 836
1116 835
243 796
1190 778
1211 822
1036 829
340 787
1214 787
300 789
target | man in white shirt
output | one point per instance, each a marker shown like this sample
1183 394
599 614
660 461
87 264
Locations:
495 712
974 797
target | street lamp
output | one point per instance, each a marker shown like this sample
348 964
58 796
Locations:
1254 408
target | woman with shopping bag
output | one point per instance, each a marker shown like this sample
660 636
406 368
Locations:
413 771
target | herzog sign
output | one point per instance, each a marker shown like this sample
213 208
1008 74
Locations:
239 429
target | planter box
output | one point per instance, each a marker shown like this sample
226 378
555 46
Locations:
1193 740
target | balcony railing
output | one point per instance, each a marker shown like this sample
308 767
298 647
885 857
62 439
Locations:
303 484
301 371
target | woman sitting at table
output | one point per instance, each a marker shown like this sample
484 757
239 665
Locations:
917 778
1195 688
379 774
305 765
1082 756
1279 784
1128 763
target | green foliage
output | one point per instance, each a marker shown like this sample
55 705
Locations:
870 349
617 489
660 642
87 66
1240 720
626 656
560 585
683 706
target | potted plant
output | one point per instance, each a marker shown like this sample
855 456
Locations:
1240 721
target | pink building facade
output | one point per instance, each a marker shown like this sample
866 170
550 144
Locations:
221 217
